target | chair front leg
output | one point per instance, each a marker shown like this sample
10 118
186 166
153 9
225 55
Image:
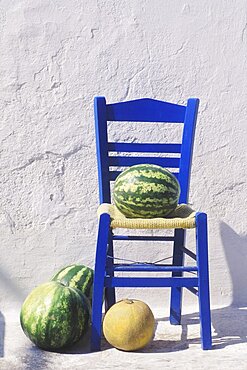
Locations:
99 275
110 295
203 280
176 292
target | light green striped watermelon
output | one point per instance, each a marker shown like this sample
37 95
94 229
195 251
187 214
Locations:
76 276
146 191
54 316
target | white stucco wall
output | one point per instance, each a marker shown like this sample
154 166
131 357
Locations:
55 56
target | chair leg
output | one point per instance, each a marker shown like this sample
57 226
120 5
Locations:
110 295
176 292
98 286
203 280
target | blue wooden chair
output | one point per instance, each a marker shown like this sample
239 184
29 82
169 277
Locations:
106 279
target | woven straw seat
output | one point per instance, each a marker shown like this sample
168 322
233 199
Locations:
183 217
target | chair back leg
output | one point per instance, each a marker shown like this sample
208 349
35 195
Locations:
176 292
110 295
203 280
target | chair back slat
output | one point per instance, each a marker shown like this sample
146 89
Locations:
145 110
144 147
114 174
131 161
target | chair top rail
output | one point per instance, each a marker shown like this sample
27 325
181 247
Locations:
145 110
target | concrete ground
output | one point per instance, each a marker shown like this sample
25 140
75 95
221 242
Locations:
173 347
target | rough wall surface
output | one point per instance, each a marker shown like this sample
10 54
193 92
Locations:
55 56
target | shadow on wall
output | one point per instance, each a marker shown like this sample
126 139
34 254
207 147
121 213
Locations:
32 357
235 247
230 323
10 286
14 290
2 334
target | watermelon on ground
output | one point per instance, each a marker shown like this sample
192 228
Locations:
55 316
76 276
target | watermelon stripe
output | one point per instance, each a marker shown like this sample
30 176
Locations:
143 177
150 174
147 181
87 283
166 198
165 181
76 276
147 175
83 280
142 187
135 212
63 272
147 206
156 196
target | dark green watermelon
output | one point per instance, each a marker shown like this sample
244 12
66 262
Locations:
55 316
146 191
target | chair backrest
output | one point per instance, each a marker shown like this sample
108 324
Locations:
144 110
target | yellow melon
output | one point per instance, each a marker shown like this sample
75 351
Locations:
129 325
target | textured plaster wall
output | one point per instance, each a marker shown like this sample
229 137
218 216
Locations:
55 56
